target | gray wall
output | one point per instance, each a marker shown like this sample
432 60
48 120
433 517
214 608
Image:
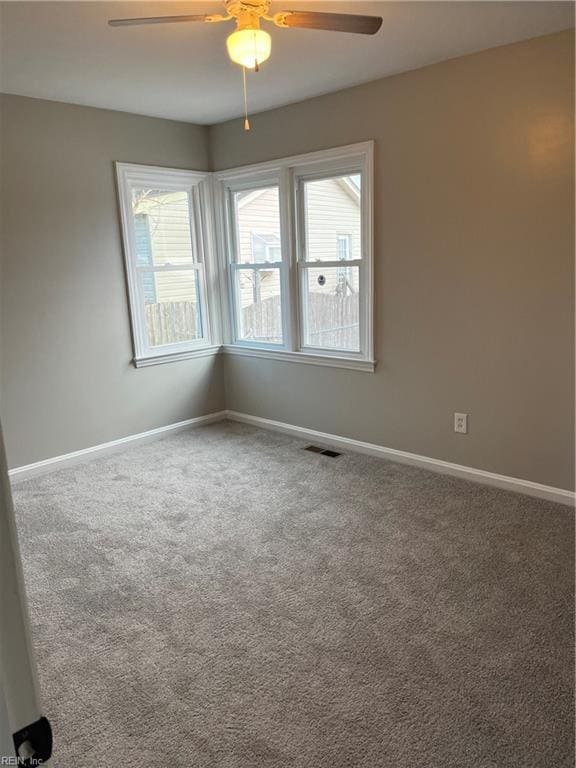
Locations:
474 269
474 261
67 379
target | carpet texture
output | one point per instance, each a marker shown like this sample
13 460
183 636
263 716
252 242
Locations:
224 599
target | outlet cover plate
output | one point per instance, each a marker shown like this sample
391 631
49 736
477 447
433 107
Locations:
461 423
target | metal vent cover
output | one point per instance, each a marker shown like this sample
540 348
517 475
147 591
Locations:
323 451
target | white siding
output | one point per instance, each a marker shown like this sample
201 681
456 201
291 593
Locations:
258 213
332 209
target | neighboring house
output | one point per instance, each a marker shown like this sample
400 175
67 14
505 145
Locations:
162 221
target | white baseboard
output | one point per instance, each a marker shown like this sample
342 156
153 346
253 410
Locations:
345 443
68 459
435 465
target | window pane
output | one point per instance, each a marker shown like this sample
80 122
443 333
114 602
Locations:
331 307
257 214
259 305
162 227
172 306
332 218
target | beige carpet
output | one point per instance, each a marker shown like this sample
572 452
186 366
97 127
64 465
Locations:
224 599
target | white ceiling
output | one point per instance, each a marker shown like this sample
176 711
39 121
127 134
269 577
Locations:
65 51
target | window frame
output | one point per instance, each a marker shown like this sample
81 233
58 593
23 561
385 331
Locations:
231 265
196 184
289 174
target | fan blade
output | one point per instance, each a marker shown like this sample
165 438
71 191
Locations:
157 20
332 22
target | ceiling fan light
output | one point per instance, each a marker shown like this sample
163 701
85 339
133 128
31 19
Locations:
249 47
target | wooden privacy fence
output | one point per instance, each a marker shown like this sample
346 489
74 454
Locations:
170 322
332 321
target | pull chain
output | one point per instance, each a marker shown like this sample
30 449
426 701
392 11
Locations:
246 121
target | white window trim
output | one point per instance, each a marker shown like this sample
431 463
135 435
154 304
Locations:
173 357
330 360
288 173
197 183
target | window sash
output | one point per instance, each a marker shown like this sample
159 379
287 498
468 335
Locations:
234 219
305 267
194 343
301 209
301 213
194 215
236 271
201 340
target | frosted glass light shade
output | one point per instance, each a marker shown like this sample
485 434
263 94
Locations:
249 47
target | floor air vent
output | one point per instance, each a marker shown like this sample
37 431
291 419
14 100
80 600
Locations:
323 451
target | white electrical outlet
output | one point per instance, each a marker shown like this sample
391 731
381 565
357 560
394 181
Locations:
461 423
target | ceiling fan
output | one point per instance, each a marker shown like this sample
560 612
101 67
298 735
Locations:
250 45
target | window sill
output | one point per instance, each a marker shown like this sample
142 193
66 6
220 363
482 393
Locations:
307 358
286 356
173 357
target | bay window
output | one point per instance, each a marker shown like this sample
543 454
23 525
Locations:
272 260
